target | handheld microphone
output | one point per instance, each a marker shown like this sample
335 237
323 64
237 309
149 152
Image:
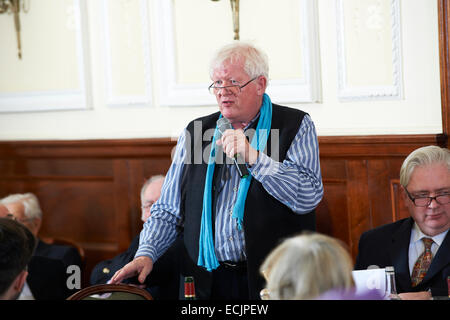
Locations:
222 125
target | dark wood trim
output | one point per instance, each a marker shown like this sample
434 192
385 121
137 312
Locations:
111 148
444 60
337 146
376 145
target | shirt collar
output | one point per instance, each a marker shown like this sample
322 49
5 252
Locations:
252 121
417 235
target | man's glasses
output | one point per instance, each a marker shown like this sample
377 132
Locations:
425 201
234 89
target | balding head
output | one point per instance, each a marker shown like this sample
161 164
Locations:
150 193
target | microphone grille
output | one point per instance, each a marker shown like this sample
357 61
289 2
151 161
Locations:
223 124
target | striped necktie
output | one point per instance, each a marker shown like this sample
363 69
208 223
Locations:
423 263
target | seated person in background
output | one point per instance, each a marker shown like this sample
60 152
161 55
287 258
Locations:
306 266
16 247
47 268
417 247
163 286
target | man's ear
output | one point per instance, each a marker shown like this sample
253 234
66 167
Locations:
19 282
35 226
262 84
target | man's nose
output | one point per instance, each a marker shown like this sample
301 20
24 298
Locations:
433 203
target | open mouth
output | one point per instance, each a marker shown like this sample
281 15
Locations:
227 103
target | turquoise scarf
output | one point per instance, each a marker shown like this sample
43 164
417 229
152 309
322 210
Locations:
206 256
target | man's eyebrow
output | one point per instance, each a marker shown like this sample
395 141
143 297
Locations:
430 191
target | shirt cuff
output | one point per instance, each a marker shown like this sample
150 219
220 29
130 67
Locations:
148 251
264 166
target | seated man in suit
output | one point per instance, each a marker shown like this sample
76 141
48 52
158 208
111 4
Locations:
417 247
164 286
16 247
47 268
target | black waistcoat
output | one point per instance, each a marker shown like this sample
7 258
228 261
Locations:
266 220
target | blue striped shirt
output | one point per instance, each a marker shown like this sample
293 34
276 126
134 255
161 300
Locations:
295 182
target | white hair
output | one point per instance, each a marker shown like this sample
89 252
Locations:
421 157
306 266
256 61
30 203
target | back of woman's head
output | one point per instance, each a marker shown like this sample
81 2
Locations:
305 266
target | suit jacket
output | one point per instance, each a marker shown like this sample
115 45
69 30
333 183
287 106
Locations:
104 270
388 246
163 281
47 279
47 271
66 254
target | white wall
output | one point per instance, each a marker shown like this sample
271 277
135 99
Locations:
139 69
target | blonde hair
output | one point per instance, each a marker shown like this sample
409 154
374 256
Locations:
306 266
421 157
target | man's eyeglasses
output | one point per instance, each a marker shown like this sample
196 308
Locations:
234 89
425 201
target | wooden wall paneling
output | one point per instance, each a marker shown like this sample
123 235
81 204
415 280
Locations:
332 212
81 210
398 208
89 190
74 194
358 204
378 188
380 172
376 146
121 203
136 179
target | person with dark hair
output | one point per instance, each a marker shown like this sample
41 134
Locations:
17 244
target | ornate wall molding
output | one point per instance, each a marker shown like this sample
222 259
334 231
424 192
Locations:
173 93
78 98
114 99
347 91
